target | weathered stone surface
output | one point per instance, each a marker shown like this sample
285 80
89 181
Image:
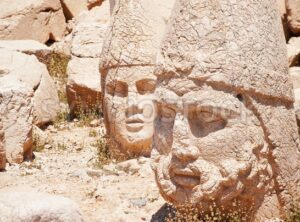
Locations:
63 46
33 206
225 134
83 86
88 40
2 150
127 63
295 76
283 16
16 105
293 48
74 8
30 47
34 74
293 12
25 46
39 20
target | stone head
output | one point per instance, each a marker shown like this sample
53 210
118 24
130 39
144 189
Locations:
127 65
225 123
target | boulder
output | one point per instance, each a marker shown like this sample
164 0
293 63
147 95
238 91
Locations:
293 15
74 8
30 47
16 106
39 207
39 20
2 151
293 48
63 46
34 74
88 39
89 32
83 86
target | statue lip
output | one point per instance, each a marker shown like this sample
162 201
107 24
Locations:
134 124
186 177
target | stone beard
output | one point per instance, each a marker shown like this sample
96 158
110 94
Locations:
129 109
209 148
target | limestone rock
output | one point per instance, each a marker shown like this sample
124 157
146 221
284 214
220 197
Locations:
295 76
88 39
30 47
74 8
2 150
83 86
63 46
98 14
293 12
283 16
39 20
33 206
293 48
25 46
16 105
34 74
224 109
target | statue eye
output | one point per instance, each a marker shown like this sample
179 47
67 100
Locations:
117 88
145 86
208 117
205 121
167 113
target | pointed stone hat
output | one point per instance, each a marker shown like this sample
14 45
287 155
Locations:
236 43
132 38
239 46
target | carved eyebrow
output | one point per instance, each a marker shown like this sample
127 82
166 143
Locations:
143 81
116 82
222 110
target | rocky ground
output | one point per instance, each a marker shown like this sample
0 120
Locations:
67 166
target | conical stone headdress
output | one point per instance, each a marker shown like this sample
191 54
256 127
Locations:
239 46
131 39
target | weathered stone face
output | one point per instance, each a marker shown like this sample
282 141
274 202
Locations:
130 109
223 134
214 150
127 65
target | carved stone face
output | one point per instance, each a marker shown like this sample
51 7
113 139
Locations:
129 108
208 147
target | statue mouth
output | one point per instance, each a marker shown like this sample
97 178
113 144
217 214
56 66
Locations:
186 178
134 124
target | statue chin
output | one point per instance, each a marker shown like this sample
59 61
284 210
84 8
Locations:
203 184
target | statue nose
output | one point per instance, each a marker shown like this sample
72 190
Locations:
186 154
182 146
133 104
132 99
